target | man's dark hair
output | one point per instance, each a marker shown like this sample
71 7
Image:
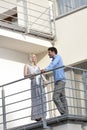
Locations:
52 49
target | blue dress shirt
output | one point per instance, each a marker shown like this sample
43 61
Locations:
57 73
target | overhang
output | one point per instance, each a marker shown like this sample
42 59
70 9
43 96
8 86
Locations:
22 42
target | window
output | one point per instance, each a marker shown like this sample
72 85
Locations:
65 6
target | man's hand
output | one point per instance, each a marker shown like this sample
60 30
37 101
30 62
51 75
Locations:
43 70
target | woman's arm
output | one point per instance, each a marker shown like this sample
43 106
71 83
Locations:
44 80
25 70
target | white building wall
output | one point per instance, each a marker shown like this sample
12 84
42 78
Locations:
10 54
71 32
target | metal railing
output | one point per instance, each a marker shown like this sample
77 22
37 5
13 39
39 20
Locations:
15 100
28 17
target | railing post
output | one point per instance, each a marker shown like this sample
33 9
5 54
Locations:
52 18
23 14
3 109
42 100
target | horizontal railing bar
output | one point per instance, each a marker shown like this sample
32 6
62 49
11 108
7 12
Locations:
26 22
18 119
1 114
26 107
27 1
46 111
76 98
77 107
1 123
17 93
17 110
15 11
24 7
75 68
29 76
20 101
17 102
75 89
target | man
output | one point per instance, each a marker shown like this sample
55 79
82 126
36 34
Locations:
59 80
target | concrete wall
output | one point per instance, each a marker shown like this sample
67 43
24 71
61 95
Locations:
65 126
70 126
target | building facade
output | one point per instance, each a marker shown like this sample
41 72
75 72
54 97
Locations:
31 26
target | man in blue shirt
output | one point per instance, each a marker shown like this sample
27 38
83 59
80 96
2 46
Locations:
59 80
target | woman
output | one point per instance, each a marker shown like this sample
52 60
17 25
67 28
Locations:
38 100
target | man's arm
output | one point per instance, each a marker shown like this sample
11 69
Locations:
53 63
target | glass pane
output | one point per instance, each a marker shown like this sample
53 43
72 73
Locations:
65 6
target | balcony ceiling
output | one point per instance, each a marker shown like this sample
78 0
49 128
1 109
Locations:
23 44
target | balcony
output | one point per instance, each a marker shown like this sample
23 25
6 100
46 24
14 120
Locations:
22 22
15 108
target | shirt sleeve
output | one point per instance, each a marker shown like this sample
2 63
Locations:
53 63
